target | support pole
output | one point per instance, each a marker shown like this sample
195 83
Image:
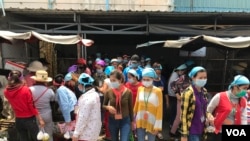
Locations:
2 6
225 70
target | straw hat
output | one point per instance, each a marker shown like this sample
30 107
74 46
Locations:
35 66
41 76
241 66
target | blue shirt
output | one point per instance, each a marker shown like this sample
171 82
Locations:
66 101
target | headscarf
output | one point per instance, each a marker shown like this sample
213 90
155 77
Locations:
239 80
149 72
194 71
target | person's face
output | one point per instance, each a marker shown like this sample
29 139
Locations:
114 79
180 72
200 75
115 64
158 71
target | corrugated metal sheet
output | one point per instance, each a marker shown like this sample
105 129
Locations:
212 6
93 5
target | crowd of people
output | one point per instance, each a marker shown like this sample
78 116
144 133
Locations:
123 97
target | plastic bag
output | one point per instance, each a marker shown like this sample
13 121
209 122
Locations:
42 135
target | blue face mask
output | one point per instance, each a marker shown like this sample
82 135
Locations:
200 82
115 84
134 65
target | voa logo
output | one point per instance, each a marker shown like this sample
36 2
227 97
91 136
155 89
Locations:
236 132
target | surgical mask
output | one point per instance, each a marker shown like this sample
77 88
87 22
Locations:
241 93
125 61
115 84
89 62
131 80
119 60
200 82
134 65
147 83
99 70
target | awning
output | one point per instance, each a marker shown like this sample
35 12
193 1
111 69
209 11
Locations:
196 42
10 37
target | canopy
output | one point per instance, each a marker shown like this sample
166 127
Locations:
196 42
10 37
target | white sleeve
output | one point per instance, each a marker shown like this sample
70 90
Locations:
82 116
214 102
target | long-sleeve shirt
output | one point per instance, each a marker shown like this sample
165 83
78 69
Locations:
149 101
188 105
172 78
216 103
126 102
66 101
88 122
21 101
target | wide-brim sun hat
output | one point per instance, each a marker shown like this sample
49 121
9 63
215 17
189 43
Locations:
35 66
41 76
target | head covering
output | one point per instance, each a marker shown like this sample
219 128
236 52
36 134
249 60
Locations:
41 76
81 61
35 66
149 72
97 59
132 71
72 68
114 60
189 63
68 77
101 63
240 80
85 79
181 67
148 59
195 70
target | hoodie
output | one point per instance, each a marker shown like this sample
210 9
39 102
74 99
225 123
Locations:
21 101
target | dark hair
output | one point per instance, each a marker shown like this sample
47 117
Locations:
59 78
135 57
14 78
118 74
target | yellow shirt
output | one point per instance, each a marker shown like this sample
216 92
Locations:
148 109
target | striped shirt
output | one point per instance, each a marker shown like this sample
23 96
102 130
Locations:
248 112
149 102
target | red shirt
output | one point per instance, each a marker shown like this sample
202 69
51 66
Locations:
21 101
133 89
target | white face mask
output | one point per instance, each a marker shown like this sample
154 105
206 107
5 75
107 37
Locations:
131 80
115 84
147 83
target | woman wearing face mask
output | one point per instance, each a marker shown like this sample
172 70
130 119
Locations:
133 83
229 107
193 106
88 121
118 101
148 107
